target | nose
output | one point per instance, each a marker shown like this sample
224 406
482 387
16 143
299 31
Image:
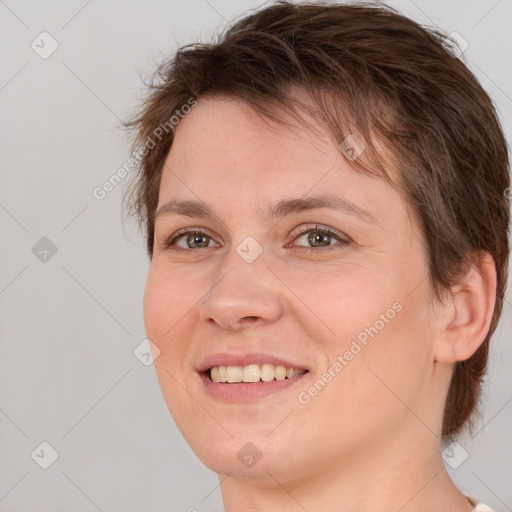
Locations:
243 294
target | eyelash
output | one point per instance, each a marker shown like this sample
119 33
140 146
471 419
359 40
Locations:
195 231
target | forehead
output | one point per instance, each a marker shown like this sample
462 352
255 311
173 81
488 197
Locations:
231 130
225 153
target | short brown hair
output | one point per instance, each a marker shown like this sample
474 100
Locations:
375 73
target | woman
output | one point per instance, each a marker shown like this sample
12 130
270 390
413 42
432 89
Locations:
324 194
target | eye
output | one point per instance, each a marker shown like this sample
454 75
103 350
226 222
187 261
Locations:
189 239
319 237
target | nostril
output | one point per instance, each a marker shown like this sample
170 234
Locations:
249 319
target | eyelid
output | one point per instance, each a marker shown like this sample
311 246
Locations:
171 241
296 233
303 229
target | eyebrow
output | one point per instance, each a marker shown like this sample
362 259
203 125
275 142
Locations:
192 208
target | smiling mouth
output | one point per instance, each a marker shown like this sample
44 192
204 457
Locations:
251 373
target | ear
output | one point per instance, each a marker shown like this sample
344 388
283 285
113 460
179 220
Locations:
466 320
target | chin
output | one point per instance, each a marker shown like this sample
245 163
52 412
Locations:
244 460
248 453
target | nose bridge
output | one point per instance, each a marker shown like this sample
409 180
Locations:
243 288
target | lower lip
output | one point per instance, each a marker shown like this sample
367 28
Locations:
243 391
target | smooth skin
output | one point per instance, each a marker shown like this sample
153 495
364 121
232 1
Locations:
370 440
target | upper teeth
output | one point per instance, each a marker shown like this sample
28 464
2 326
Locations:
252 373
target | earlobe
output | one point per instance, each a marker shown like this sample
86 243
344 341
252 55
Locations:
469 315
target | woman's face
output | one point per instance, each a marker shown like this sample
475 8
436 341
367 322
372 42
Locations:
260 282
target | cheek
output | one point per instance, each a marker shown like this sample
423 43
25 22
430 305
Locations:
396 364
344 302
157 297
167 304
380 353
369 397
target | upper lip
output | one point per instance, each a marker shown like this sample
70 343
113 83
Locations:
226 359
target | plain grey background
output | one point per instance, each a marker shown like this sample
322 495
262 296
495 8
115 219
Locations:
70 321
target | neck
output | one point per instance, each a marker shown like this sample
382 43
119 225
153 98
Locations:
406 475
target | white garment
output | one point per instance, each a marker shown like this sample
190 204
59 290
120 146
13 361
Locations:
479 506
